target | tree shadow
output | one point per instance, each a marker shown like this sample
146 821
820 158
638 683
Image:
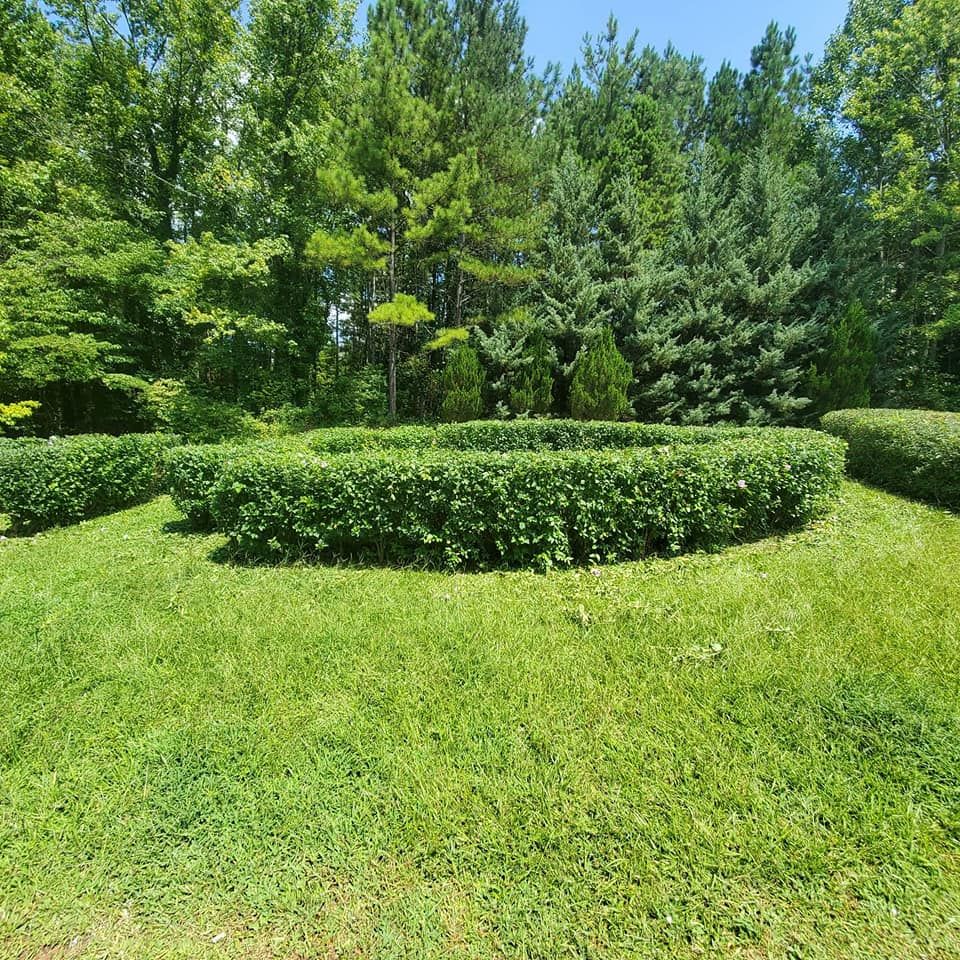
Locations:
378 558
230 555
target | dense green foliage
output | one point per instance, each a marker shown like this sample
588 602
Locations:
560 435
601 377
844 381
890 86
213 212
193 471
744 755
516 509
462 386
56 482
915 452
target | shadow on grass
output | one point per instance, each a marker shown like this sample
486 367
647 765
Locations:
949 507
383 555
231 556
185 528
372 558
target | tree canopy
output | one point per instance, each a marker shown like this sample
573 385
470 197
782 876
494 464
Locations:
253 210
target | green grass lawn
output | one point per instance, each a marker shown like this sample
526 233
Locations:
749 755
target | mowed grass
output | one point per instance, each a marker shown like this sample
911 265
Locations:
749 755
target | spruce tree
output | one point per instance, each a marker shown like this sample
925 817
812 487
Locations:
722 332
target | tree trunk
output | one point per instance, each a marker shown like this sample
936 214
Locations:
392 334
392 372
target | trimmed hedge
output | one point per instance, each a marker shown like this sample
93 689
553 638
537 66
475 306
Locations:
193 470
540 508
351 439
913 452
504 435
56 482
191 473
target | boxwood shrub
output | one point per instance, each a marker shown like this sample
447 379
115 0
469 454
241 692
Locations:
56 482
524 508
914 452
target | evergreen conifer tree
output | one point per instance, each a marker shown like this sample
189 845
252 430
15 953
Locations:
571 289
601 379
842 377
462 386
533 392
722 333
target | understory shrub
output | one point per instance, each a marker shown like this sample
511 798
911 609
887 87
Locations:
51 483
914 452
540 508
175 409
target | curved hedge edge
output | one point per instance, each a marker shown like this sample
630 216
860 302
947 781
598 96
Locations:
192 470
529 509
911 452
59 482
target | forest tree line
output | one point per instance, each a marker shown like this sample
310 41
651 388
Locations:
214 215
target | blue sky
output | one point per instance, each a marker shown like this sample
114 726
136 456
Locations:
715 30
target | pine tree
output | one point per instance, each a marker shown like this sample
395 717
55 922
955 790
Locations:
403 311
773 97
462 386
722 131
676 83
387 148
601 379
638 178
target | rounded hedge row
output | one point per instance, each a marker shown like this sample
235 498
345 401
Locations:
914 452
494 435
520 508
193 470
54 482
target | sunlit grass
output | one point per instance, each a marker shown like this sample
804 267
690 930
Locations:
755 754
